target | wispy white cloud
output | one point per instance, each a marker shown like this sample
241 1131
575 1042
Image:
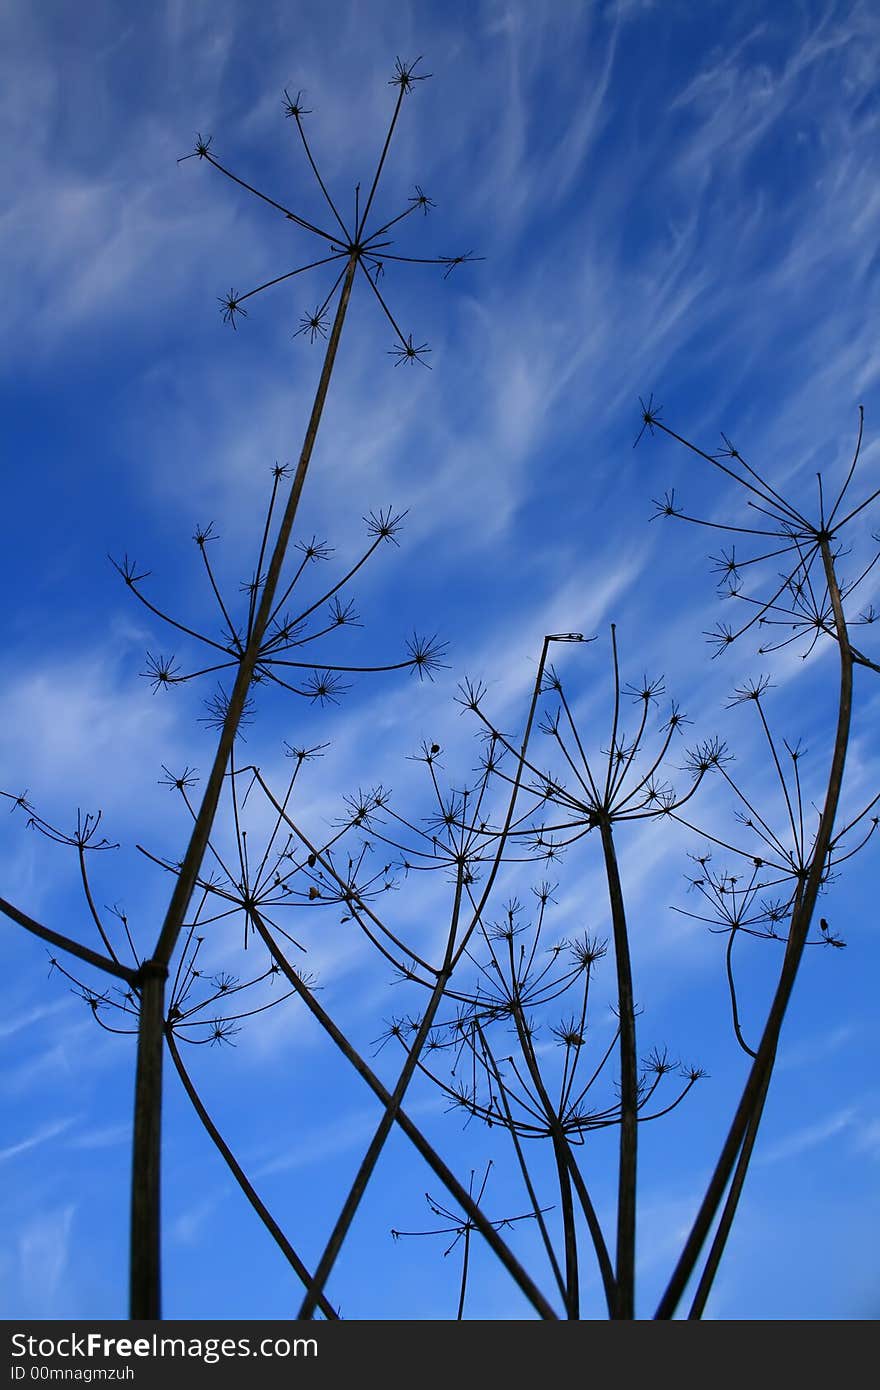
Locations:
814 1049
349 1131
40 1136
867 1140
802 1140
66 721
188 1225
36 1014
43 1253
102 1137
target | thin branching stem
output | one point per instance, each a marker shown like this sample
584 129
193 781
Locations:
294 217
731 984
413 1133
560 1155
241 1177
198 841
377 1144
523 1166
401 93
605 1268
321 184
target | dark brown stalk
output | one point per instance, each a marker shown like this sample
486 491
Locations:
145 1290
762 1066
91 902
560 1154
377 1144
515 789
572 1279
731 985
365 1171
195 852
464 1273
629 1081
595 1230
145 1181
371 1157
359 230
523 1166
241 1177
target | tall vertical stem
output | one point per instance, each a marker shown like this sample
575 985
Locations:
572 1276
145 1290
145 1211
192 860
464 1272
762 1066
624 1306
377 1144
707 1278
561 1153
713 1260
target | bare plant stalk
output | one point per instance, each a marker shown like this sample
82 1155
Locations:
523 1166
195 851
377 1144
241 1177
759 1075
412 1131
626 1193
145 1251
713 1260
572 1279
595 1230
451 955
561 1156
719 1241
464 1273
145 1295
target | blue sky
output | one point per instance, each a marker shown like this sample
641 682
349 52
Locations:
671 198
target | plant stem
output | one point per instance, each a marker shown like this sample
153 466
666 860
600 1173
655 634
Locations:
371 1157
572 1280
241 1177
413 1133
64 943
595 1230
762 1066
707 1278
377 1144
145 1275
523 1166
145 1291
626 1192
464 1273
195 852
560 1154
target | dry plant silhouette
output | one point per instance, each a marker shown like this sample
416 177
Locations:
496 1006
